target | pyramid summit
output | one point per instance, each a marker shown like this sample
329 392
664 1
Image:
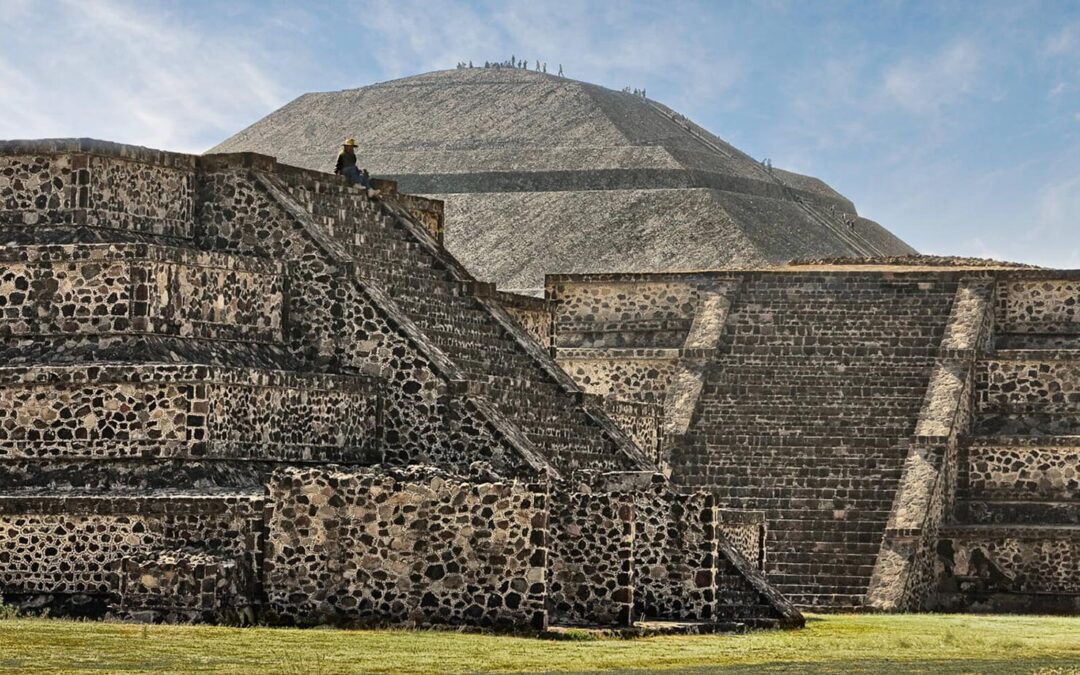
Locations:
543 174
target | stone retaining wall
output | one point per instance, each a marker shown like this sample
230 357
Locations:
415 546
98 185
592 557
184 412
138 288
75 545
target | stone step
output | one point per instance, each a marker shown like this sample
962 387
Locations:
740 395
748 422
749 309
838 578
817 365
804 597
838 325
825 461
743 400
853 443
831 350
795 291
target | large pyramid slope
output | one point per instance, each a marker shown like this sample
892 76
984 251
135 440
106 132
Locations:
543 174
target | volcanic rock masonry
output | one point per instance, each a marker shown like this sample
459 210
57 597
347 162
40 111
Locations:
233 390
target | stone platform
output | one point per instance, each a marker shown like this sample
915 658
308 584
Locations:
908 431
234 390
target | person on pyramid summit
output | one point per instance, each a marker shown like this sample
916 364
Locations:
346 166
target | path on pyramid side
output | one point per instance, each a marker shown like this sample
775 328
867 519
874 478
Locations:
806 414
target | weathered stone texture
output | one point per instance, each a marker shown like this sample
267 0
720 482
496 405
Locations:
534 314
629 375
786 387
909 434
75 545
148 192
413 546
218 376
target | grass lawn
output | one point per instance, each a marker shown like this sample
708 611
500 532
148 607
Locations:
832 644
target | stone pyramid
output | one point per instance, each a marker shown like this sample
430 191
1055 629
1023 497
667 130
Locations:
542 174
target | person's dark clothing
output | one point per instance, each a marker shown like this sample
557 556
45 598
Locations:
345 159
346 166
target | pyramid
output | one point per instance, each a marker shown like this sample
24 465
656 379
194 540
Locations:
544 175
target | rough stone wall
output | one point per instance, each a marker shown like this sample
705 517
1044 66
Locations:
146 192
623 301
675 555
1007 568
74 545
1039 305
745 531
1008 472
183 585
591 574
1020 389
641 421
415 546
133 288
54 421
628 375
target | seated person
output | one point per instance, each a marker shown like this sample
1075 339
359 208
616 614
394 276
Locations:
346 166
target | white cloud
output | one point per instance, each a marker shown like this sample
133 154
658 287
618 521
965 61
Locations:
128 73
927 86
1064 41
1059 205
613 44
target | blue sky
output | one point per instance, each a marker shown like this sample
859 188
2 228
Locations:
954 124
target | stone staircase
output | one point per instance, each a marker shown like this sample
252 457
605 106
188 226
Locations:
461 318
1014 540
186 339
806 413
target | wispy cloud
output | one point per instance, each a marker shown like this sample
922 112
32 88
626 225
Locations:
926 86
615 44
169 84
1064 41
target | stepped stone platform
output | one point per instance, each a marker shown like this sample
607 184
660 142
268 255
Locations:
907 427
234 390
543 175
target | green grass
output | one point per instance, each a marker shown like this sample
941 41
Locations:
829 644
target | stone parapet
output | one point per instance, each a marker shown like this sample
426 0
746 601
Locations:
99 185
122 421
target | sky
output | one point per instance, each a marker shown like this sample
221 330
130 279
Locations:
954 124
